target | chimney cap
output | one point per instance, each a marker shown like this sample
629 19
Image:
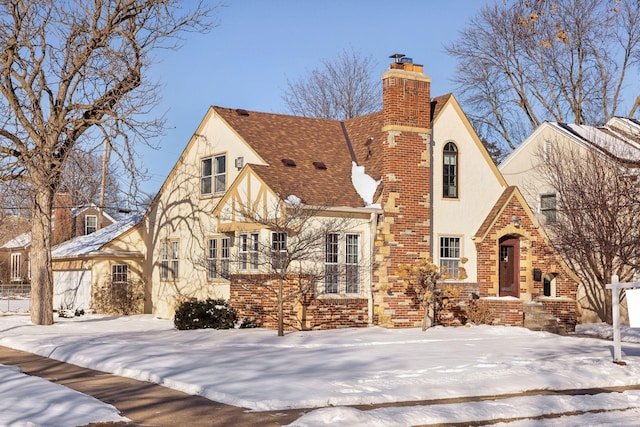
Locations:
397 56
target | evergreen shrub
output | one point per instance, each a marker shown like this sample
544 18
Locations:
207 314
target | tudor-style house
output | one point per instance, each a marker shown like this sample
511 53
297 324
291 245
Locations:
412 181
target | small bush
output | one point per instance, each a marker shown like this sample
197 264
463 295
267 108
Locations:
207 314
119 298
478 313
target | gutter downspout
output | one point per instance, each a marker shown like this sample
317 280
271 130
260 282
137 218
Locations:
431 228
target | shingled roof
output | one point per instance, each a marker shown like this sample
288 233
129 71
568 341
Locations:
306 157
312 158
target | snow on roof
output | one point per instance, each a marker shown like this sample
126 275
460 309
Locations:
19 241
91 243
364 184
618 146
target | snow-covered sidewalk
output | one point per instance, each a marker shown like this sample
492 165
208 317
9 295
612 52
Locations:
256 369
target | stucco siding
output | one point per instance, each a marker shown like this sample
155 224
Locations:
478 188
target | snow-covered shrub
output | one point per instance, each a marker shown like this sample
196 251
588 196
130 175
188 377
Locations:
210 313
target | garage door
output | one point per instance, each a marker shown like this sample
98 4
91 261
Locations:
72 289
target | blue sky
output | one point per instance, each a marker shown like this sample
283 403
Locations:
246 60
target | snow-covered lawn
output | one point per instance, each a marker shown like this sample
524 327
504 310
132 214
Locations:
256 369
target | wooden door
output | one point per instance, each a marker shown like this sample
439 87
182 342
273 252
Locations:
508 270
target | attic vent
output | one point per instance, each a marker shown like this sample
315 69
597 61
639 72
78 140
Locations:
242 112
320 165
239 162
289 162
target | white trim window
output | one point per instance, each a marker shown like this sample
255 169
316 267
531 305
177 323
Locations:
278 250
16 267
253 250
342 263
212 259
450 256
248 251
352 263
164 260
119 273
90 224
332 264
175 260
225 252
213 175
243 252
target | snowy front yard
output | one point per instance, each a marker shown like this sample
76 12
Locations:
256 369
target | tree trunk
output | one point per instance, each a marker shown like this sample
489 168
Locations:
40 257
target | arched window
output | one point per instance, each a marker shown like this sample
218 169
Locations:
450 170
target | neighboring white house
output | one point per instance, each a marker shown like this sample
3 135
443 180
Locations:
617 140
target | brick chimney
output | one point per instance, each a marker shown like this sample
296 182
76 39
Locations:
61 218
405 233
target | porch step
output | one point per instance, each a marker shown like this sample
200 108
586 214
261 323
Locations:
537 319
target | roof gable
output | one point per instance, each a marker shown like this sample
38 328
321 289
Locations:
91 244
507 195
449 100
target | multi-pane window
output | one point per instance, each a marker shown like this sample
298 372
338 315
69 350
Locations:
342 264
548 207
225 244
278 250
212 259
352 263
218 258
450 170
119 273
332 264
450 256
175 259
213 175
164 260
90 224
248 251
243 252
253 250
16 267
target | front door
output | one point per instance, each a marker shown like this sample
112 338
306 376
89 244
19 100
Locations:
509 268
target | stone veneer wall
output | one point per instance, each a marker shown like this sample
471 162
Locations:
564 309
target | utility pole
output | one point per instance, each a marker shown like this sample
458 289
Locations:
105 163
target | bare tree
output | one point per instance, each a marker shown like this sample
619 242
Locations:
339 89
74 72
292 259
523 62
85 179
596 227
